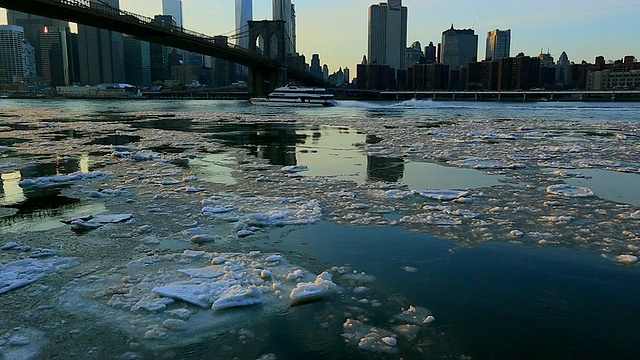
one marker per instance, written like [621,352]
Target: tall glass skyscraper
[498,44]
[388,34]
[244,13]
[173,8]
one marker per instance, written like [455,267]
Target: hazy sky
[337,29]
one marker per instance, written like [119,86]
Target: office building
[11,52]
[285,11]
[33,25]
[173,8]
[100,52]
[137,62]
[315,68]
[498,44]
[415,54]
[562,70]
[387,37]
[244,14]
[459,47]
[430,53]
[54,56]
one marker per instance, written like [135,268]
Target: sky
[337,29]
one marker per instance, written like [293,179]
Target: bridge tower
[268,38]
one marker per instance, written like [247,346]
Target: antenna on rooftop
[474,25]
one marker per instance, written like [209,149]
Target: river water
[515,225]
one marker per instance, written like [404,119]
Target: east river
[417,229]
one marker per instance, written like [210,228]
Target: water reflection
[12,192]
[611,185]
[384,169]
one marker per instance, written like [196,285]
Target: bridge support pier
[268,38]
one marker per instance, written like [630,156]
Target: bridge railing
[107,10]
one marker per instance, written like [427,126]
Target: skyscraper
[137,61]
[498,44]
[54,56]
[11,49]
[173,8]
[32,25]
[244,14]
[315,68]
[101,53]
[430,53]
[388,34]
[459,47]
[284,10]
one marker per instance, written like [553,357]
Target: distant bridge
[265,72]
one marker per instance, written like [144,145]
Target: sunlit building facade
[387,40]
[173,8]
[284,10]
[498,44]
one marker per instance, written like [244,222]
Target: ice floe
[27,271]
[569,191]
[174,286]
[60,180]
[443,195]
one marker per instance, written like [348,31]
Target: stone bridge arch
[263,81]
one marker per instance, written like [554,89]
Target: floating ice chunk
[218,260]
[569,191]
[58,181]
[24,272]
[516,233]
[295,275]
[635,215]
[627,259]
[112,219]
[368,338]
[198,295]
[306,292]
[294,169]
[391,341]
[203,239]
[10,245]
[415,315]
[443,195]
[483,163]
[431,219]
[557,219]
[244,233]
[273,258]
[237,296]
[468,214]
[216,209]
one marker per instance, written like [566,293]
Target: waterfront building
[547,78]
[285,11]
[173,8]
[430,53]
[325,72]
[33,25]
[387,35]
[518,73]
[374,76]
[137,61]
[11,52]
[459,47]
[54,56]
[498,44]
[347,75]
[160,54]
[244,14]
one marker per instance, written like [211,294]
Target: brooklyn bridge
[268,66]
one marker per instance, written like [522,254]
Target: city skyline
[583,29]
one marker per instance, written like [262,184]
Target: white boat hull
[292,102]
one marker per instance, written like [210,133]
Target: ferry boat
[292,95]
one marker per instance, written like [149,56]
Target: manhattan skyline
[337,30]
